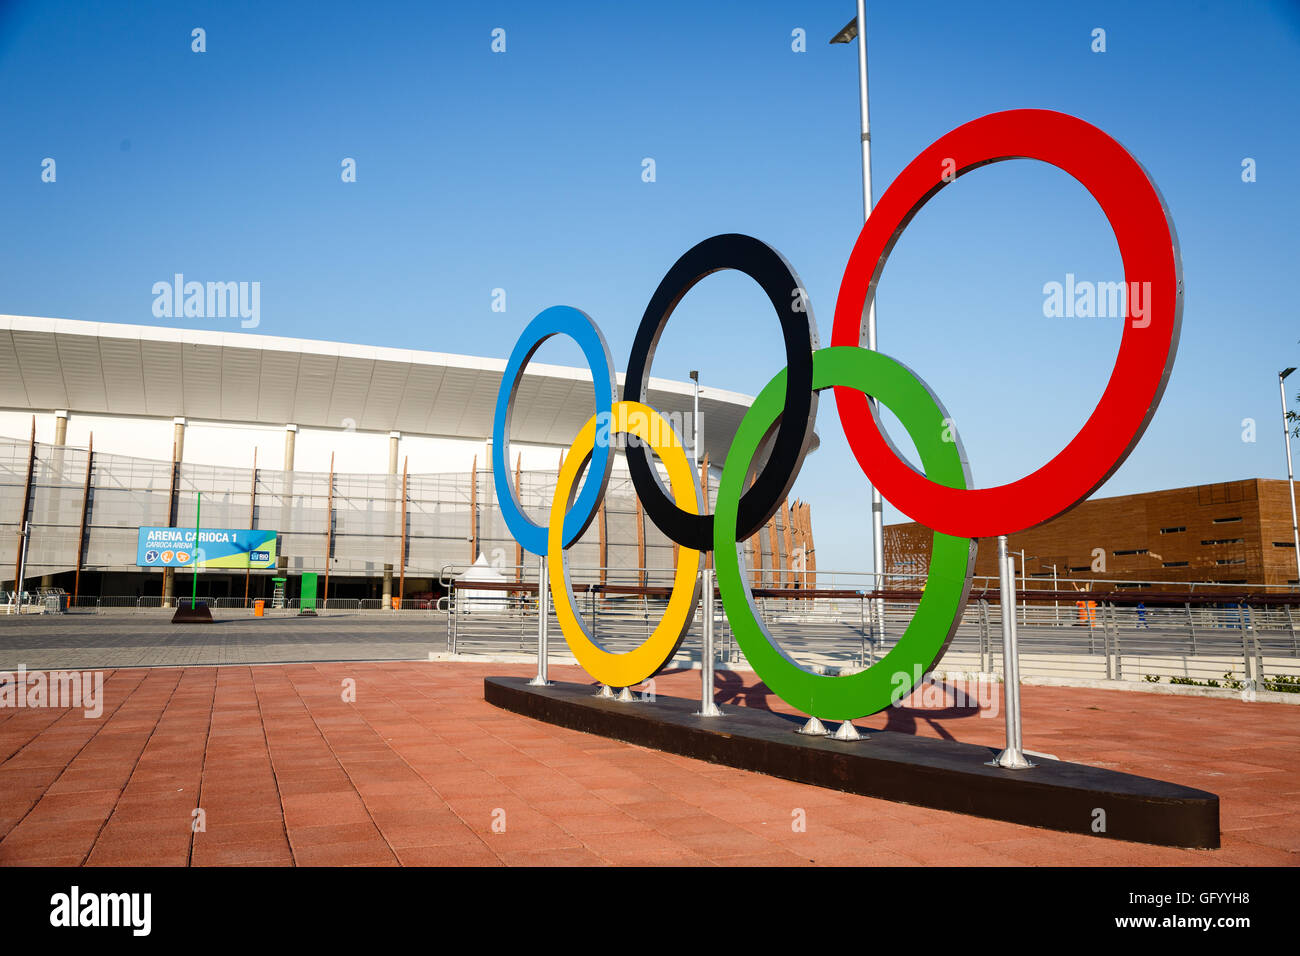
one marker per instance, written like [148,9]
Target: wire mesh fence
[346,524]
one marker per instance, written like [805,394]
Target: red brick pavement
[417,770]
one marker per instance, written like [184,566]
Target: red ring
[1149,249]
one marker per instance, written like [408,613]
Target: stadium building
[372,465]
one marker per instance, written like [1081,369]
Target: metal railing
[120,603]
[1223,637]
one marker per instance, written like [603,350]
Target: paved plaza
[149,639]
[388,763]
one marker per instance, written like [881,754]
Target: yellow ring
[632,667]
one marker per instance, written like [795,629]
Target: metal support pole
[198,515]
[858,29]
[1290,475]
[1012,758]
[1245,653]
[329,534]
[1254,646]
[695,422]
[1250,638]
[986,652]
[1056,603]
[1105,643]
[543,594]
[22,518]
[708,706]
[252,519]
[85,509]
[26,533]
[1024,586]
[1119,652]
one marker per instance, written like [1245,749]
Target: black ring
[794,434]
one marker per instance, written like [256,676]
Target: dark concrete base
[941,774]
[185,614]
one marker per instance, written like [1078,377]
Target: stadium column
[53,504]
[178,455]
[393,439]
[290,434]
[401,580]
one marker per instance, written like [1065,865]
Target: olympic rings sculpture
[940,498]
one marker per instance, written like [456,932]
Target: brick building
[1236,532]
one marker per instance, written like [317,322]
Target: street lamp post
[1290,475]
[695,421]
[857,27]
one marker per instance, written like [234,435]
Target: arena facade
[107,428]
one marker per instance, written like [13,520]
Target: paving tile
[457,854]
[413,772]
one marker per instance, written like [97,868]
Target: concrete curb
[1177,690]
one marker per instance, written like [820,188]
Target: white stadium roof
[138,370]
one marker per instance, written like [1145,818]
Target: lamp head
[849,32]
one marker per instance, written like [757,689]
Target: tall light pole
[695,421]
[857,27]
[1290,475]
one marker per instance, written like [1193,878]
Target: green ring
[952,561]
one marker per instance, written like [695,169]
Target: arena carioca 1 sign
[227,548]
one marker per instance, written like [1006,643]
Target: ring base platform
[927,772]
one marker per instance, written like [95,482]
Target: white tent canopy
[484,599]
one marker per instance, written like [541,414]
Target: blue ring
[577,325]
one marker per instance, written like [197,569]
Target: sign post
[198,513]
[194,614]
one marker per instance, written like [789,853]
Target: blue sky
[522,170]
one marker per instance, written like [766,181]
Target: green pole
[194,592]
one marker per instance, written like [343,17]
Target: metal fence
[1224,638]
[348,522]
[108,604]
